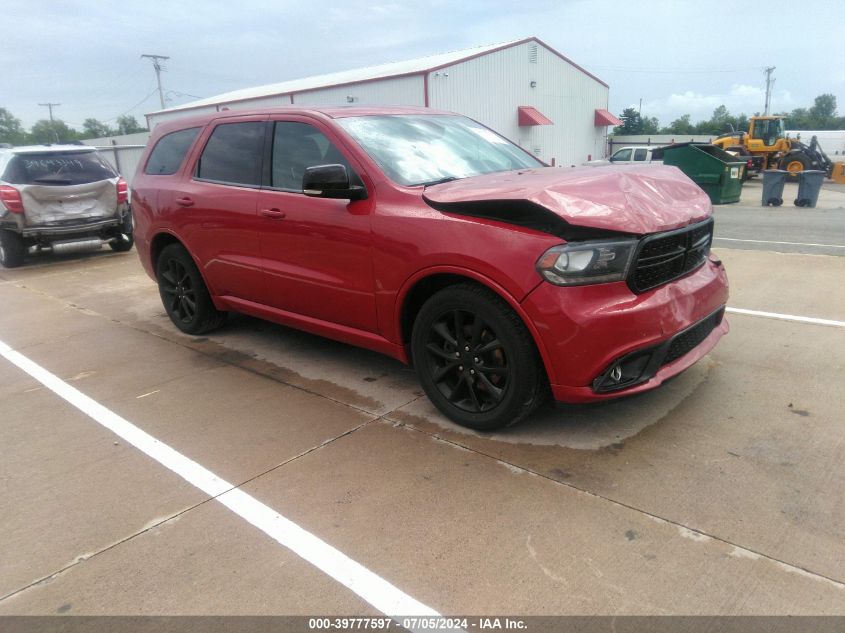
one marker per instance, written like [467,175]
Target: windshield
[424,148]
[57,168]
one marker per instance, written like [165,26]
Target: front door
[316,252]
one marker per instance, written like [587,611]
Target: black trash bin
[809,184]
[773,182]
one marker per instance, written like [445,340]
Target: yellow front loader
[766,137]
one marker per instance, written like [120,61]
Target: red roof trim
[531,116]
[603,118]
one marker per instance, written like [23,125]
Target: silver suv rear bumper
[70,229]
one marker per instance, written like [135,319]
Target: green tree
[11,130]
[92,128]
[720,122]
[127,124]
[680,126]
[56,131]
[650,125]
[634,123]
[823,111]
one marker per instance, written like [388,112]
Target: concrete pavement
[720,493]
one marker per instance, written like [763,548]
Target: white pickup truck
[632,155]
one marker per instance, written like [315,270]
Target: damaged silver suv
[60,199]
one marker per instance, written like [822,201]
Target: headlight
[580,263]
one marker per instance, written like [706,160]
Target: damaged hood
[631,199]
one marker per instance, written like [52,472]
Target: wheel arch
[425,283]
[159,242]
[162,240]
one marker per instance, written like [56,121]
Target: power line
[152,92]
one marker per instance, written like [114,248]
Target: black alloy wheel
[467,361]
[475,359]
[184,294]
[178,287]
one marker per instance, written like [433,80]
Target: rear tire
[12,249]
[475,359]
[184,294]
[121,245]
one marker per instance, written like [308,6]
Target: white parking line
[787,317]
[733,239]
[372,588]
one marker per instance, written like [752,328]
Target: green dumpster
[718,173]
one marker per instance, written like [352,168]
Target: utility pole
[50,106]
[157,59]
[769,83]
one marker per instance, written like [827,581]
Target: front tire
[12,249]
[184,294]
[794,164]
[475,359]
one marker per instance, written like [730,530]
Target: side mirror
[330,181]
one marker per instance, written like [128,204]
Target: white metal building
[523,89]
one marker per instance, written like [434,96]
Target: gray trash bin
[809,185]
[773,182]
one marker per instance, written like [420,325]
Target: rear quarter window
[57,168]
[170,151]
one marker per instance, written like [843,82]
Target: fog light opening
[625,372]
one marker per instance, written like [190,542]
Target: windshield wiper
[439,181]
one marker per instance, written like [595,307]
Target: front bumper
[585,330]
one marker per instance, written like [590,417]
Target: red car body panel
[345,269]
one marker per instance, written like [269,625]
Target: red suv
[428,237]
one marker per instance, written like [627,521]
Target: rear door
[213,208]
[317,252]
[640,155]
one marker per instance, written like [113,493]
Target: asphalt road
[786,229]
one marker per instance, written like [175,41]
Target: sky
[679,57]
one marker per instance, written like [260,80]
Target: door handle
[185,201]
[273,214]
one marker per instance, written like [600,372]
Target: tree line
[821,115]
[57,131]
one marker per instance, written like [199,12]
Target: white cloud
[740,99]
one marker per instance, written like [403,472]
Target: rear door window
[233,153]
[58,168]
[170,151]
[640,154]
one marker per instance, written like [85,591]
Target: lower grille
[641,365]
[691,338]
